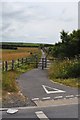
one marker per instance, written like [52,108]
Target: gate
[43,63]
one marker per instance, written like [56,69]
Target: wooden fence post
[3,65]
[45,62]
[18,62]
[6,65]
[36,62]
[42,63]
[22,61]
[26,60]
[12,64]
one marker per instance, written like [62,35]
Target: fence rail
[11,65]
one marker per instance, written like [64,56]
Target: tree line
[13,45]
[68,47]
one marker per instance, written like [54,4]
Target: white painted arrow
[53,90]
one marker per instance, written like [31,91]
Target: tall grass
[9,83]
[66,71]
[21,52]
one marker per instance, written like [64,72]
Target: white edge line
[58,97]
[77,95]
[35,99]
[34,107]
[69,96]
[46,98]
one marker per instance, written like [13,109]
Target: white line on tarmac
[53,90]
[35,107]
[69,96]
[35,99]
[58,97]
[41,115]
[46,98]
[77,95]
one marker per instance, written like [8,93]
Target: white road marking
[41,115]
[12,111]
[77,95]
[35,99]
[46,98]
[58,97]
[69,96]
[53,90]
[35,107]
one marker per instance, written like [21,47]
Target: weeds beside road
[66,72]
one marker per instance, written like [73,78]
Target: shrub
[65,69]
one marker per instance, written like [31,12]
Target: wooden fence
[11,65]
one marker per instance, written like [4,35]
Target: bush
[65,69]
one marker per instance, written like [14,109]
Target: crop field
[21,52]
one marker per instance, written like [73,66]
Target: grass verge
[11,93]
[9,78]
[72,82]
[66,72]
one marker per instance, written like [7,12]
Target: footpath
[36,86]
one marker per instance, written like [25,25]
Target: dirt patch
[14,100]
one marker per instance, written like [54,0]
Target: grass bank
[9,83]
[11,92]
[66,72]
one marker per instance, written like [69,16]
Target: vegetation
[9,78]
[65,69]
[9,83]
[19,53]
[66,65]
[13,45]
[68,47]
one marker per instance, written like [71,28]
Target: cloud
[37,22]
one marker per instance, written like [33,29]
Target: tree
[64,36]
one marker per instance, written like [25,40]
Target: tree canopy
[69,45]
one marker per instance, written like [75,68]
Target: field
[21,52]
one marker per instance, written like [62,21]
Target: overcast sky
[37,21]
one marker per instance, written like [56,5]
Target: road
[36,85]
[67,111]
[52,100]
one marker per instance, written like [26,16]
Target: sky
[37,22]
